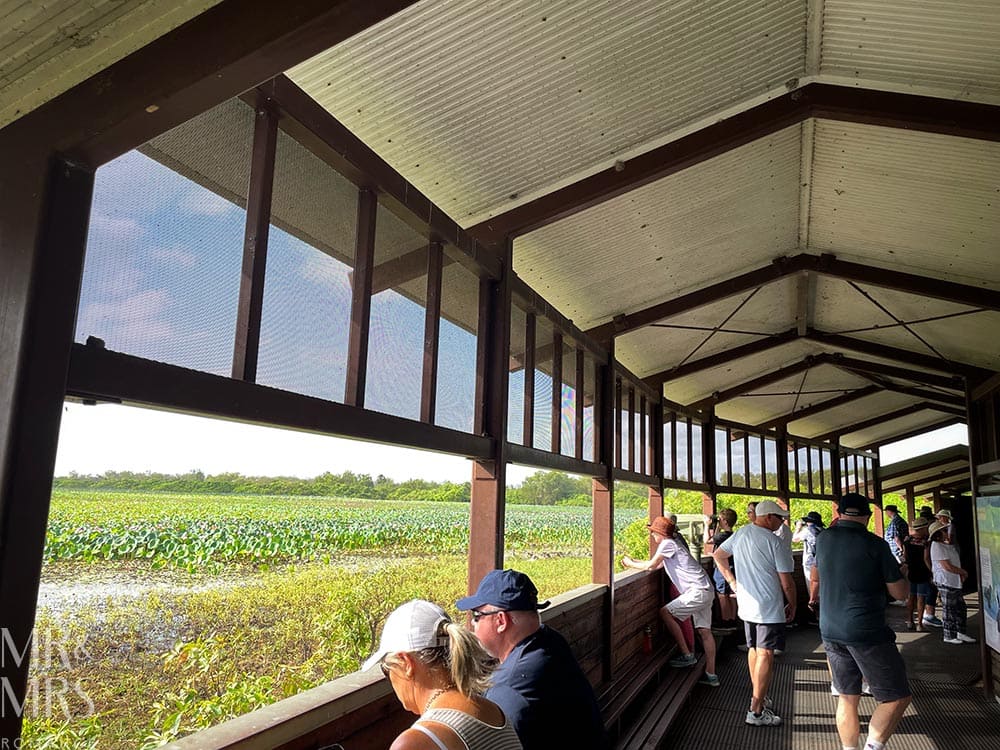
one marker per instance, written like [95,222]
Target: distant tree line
[541,488]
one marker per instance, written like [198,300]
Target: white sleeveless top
[476,734]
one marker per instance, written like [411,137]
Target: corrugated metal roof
[730,214]
[888,430]
[795,392]
[899,199]
[48,47]
[949,48]
[562,88]
[851,413]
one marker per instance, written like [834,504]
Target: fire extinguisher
[647,640]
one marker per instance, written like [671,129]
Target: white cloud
[176,255]
[201,202]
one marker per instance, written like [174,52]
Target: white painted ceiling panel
[855,411]
[703,384]
[947,47]
[563,88]
[728,215]
[898,199]
[651,350]
[795,392]
[885,432]
[970,339]
[48,47]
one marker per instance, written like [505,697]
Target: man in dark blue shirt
[539,685]
[854,571]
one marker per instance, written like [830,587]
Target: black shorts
[879,664]
[770,635]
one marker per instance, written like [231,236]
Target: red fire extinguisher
[647,640]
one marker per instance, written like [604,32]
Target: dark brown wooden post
[43,225]
[655,495]
[602,493]
[432,333]
[972,416]
[528,422]
[581,362]
[255,237]
[489,478]
[361,299]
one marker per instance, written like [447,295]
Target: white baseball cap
[413,626]
[769,507]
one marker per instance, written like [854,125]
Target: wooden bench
[660,710]
[645,697]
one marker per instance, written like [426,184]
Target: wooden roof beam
[813,409]
[890,416]
[895,438]
[729,355]
[847,104]
[766,379]
[904,356]
[954,383]
[826,264]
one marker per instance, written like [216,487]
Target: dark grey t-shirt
[854,567]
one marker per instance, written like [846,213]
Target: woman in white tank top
[439,670]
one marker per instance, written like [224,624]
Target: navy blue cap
[504,589]
[853,505]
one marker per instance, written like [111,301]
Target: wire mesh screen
[737,448]
[756,469]
[307,286]
[515,384]
[697,463]
[589,400]
[543,385]
[459,336]
[669,449]
[164,252]
[396,334]
[721,458]
[567,409]
[770,464]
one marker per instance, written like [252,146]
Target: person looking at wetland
[539,685]
[694,600]
[439,671]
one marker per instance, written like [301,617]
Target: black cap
[853,505]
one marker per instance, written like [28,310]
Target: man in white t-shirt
[764,583]
[694,600]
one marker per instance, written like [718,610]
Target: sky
[95,439]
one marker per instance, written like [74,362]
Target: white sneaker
[766,718]
[965,638]
[954,640]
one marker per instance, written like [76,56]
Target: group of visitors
[511,682]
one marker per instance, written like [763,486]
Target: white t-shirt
[683,569]
[785,535]
[759,556]
[942,577]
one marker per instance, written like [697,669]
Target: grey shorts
[769,635]
[880,665]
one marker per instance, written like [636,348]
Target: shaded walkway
[949,711]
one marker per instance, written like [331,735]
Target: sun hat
[813,517]
[853,505]
[510,590]
[662,525]
[893,508]
[936,527]
[770,508]
[920,523]
[413,626]
[943,512]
